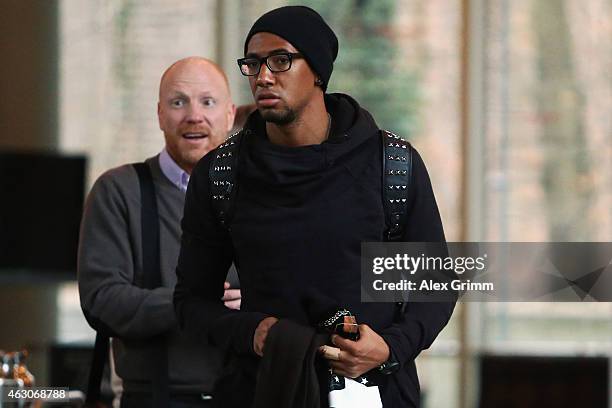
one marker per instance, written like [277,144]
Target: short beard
[279,117]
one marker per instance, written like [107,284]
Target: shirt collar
[172,171]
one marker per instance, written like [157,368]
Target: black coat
[300,217]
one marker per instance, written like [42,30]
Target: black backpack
[396,171]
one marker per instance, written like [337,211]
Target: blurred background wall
[508,101]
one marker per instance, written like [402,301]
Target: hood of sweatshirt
[292,172]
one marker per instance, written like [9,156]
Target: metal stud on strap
[397,165]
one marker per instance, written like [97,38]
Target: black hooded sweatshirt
[301,214]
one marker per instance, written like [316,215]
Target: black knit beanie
[306,30]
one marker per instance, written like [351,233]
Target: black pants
[142,400]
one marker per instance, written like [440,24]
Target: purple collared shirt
[176,175]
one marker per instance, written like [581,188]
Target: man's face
[195,110]
[280,96]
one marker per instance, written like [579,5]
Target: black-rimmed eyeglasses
[281,62]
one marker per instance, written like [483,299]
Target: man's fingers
[344,344]
[233,304]
[330,353]
[358,357]
[231,294]
[341,362]
[226,285]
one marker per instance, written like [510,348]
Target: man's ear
[159,116]
[242,113]
[231,116]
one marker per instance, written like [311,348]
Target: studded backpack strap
[397,173]
[223,171]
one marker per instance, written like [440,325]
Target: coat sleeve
[206,253]
[106,263]
[421,322]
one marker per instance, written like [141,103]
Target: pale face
[195,110]
[280,96]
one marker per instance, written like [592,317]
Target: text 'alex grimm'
[430,285]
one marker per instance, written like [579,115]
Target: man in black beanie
[290,199]
[307,32]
